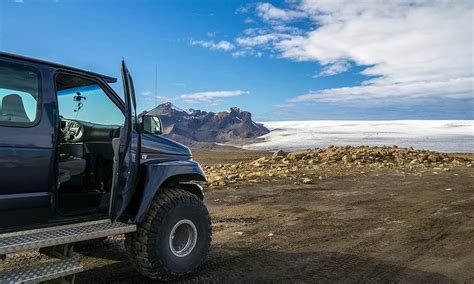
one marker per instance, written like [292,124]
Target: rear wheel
[175,237]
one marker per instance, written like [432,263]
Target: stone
[279,155]
[214,178]
[233,176]
[433,158]
[347,159]
[259,161]
[338,160]
[295,155]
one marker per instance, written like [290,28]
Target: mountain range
[192,125]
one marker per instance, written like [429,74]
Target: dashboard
[75,131]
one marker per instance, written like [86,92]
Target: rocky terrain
[333,215]
[308,166]
[384,215]
[196,126]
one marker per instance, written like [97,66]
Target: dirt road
[377,226]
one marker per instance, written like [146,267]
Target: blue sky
[281,60]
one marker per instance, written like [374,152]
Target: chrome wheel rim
[183,238]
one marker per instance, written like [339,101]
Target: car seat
[69,167]
[13,109]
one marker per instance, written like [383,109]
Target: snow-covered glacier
[438,135]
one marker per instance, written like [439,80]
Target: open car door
[127,157]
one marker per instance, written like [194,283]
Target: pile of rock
[387,156]
[308,165]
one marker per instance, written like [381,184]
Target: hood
[164,149]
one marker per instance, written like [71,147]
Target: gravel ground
[364,225]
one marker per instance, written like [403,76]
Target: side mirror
[151,124]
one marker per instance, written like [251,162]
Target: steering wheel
[71,130]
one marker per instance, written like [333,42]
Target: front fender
[155,175]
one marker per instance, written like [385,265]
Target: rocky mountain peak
[166,108]
[195,125]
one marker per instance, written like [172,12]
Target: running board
[59,235]
[42,272]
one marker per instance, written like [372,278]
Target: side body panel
[27,161]
[155,175]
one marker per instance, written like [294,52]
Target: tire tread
[139,244]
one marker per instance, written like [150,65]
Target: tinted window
[19,93]
[85,100]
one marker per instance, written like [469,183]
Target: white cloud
[220,45]
[415,50]
[163,99]
[19,1]
[212,98]
[247,52]
[148,97]
[334,69]
[388,93]
[269,12]
[245,8]
[262,39]
[249,20]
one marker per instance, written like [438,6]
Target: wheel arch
[185,182]
[156,177]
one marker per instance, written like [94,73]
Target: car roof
[108,79]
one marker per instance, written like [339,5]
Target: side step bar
[59,235]
[42,272]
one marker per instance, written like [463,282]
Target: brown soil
[360,225]
[375,226]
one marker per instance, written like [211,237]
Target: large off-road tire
[174,239]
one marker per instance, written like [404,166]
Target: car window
[19,93]
[85,100]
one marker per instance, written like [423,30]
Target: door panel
[128,163]
[24,209]
[27,154]
[25,170]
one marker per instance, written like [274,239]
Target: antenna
[156,84]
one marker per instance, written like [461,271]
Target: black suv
[72,152]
